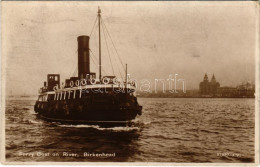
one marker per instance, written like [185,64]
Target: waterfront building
[209,88]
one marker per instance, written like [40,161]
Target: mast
[99,16]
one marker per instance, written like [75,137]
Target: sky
[155,39]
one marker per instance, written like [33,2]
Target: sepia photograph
[130,83]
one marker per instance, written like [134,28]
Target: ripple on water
[170,130]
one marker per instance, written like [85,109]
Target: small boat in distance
[86,99]
[24,95]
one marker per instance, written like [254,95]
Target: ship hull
[83,112]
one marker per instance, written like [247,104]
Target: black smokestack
[83,56]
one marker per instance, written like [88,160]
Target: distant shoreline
[202,97]
[34,98]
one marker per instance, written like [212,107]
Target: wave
[119,128]
[209,131]
[78,126]
[139,121]
[34,122]
[147,122]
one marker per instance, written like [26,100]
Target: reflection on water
[170,130]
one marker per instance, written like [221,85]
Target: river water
[169,130]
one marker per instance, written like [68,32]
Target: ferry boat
[86,99]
